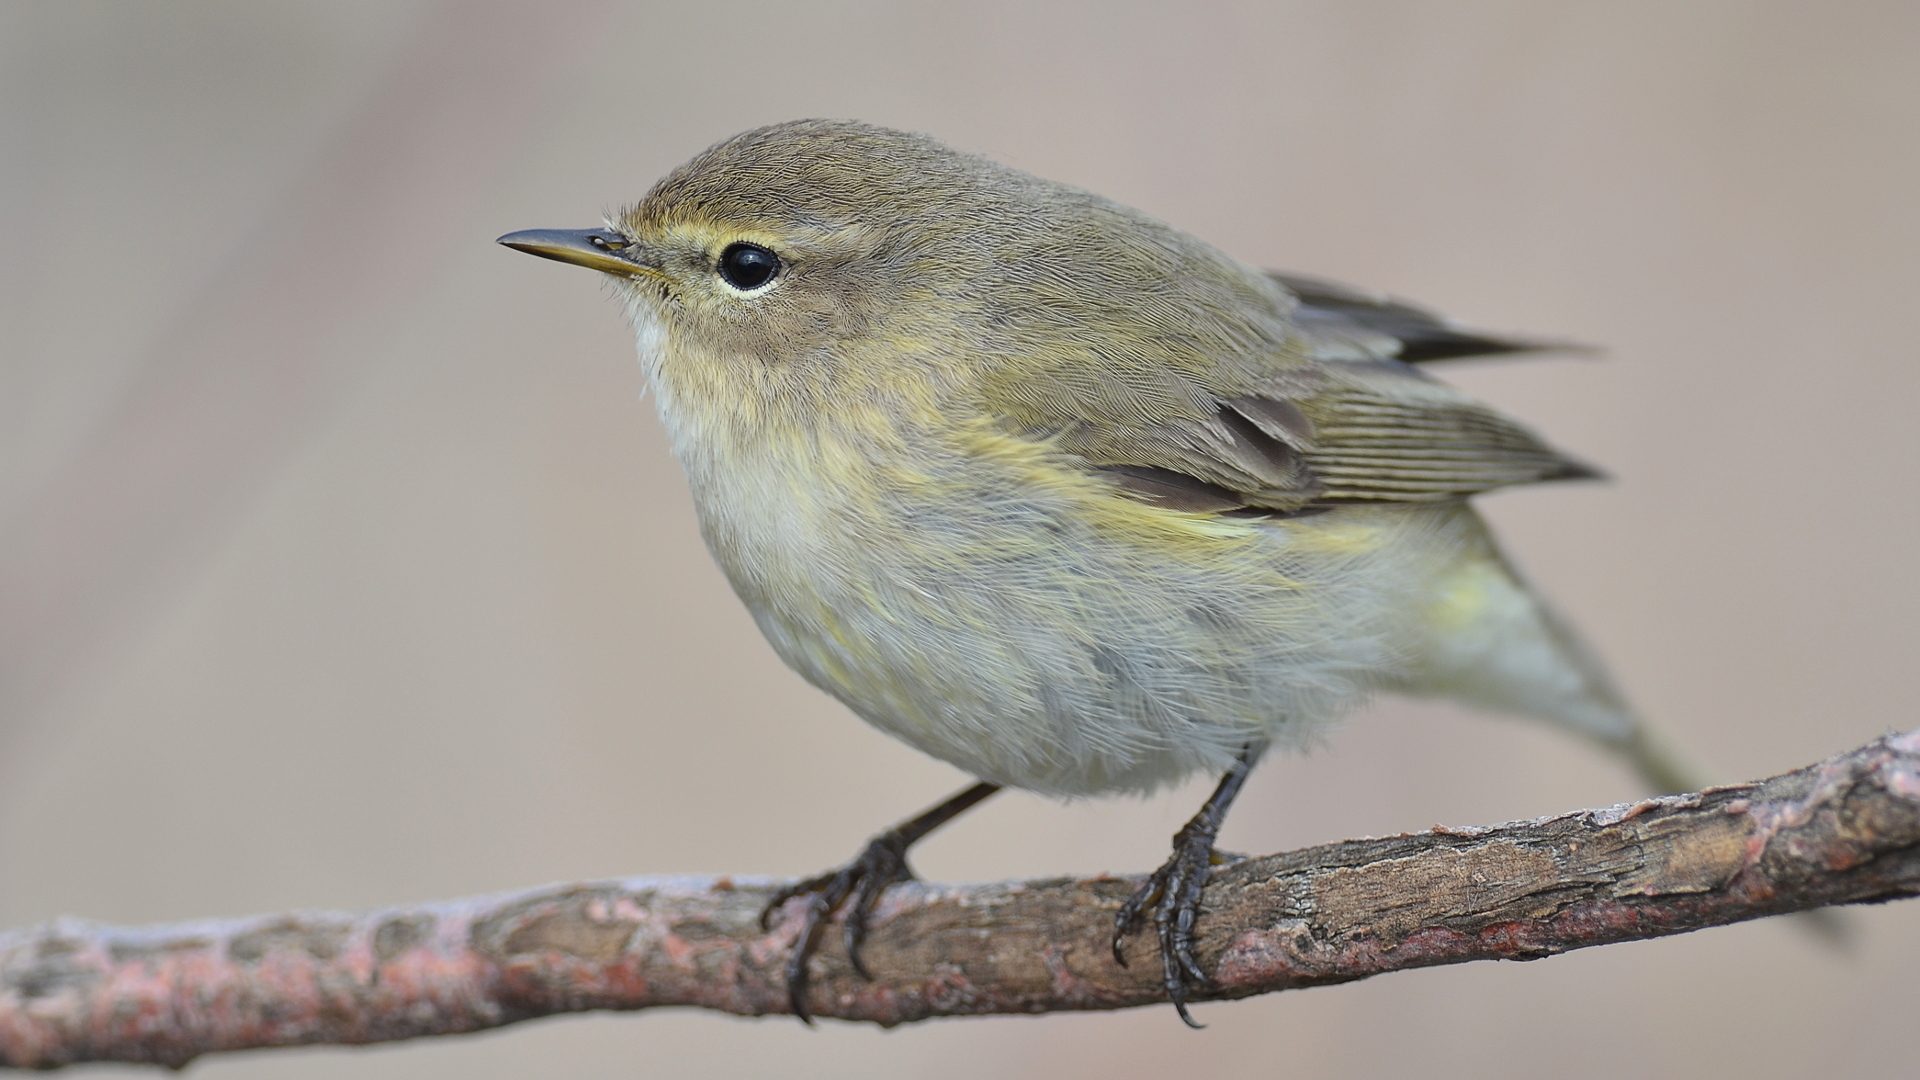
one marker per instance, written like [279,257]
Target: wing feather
[1336,413]
[1412,334]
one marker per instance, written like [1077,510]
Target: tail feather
[1488,640]
[1485,639]
[1655,761]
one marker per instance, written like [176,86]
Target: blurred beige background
[341,563]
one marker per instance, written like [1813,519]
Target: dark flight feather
[1423,336]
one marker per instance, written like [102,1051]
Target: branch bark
[1846,830]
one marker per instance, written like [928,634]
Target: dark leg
[1173,892]
[882,863]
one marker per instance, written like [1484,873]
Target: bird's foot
[1172,894]
[856,887]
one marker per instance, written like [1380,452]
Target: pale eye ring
[747,267]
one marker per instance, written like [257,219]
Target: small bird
[1064,496]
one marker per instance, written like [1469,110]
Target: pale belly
[1034,645]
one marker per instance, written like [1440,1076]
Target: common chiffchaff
[1064,496]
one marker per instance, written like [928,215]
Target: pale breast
[1053,635]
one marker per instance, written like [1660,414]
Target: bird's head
[823,256]
[786,244]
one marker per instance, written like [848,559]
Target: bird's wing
[1408,333]
[1338,416]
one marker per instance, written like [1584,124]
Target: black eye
[747,266]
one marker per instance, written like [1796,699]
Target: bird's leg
[883,862]
[1173,892]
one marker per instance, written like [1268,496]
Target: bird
[1069,498]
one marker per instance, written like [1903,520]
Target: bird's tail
[1481,636]
[1662,768]
[1488,640]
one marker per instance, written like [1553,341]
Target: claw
[1173,894]
[865,879]
[872,887]
[1128,918]
[796,973]
[787,892]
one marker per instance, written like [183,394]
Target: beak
[597,249]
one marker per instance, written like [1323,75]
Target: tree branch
[1843,831]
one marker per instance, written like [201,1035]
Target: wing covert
[1337,414]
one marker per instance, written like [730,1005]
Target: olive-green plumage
[1057,492]
[1066,497]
